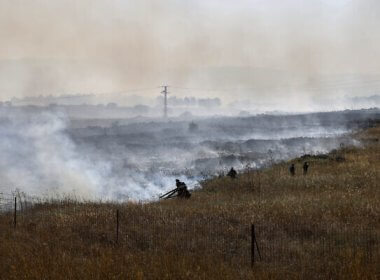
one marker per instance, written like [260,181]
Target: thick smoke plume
[38,157]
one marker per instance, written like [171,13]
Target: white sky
[272,47]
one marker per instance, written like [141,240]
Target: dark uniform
[232,173]
[305,167]
[178,183]
[292,170]
[182,191]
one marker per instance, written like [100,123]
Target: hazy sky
[271,47]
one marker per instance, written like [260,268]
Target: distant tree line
[192,101]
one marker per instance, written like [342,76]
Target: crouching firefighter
[180,191]
[232,173]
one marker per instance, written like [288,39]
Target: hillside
[325,224]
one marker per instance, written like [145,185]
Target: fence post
[117,226]
[252,245]
[15,214]
[257,247]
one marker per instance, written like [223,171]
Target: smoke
[293,52]
[38,157]
[45,154]
[272,48]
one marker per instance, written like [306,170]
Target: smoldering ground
[43,154]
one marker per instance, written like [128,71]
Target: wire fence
[6,201]
[139,229]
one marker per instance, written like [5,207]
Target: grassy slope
[73,240]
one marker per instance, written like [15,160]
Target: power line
[130,90]
[343,85]
[349,83]
[201,89]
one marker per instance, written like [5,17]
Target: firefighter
[305,167]
[232,173]
[182,191]
[292,169]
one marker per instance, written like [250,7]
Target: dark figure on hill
[232,173]
[182,191]
[178,183]
[305,167]
[292,170]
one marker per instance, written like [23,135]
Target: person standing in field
[292,169]
[305,167]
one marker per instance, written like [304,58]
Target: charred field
[323,225]
[47,152]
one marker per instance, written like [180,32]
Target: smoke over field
[40,157]
[45,153]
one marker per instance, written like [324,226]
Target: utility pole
[165,93]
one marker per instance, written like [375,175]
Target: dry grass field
[325,225]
